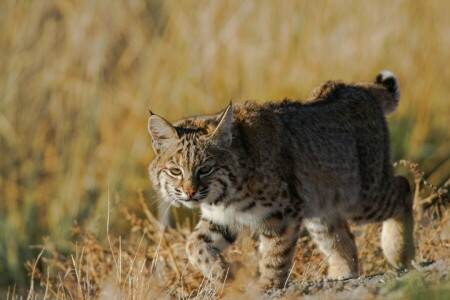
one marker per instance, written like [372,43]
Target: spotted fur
[270,167]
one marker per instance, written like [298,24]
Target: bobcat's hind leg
[397,239]
[334,239]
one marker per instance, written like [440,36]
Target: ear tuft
[222,135]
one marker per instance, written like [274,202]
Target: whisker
[167,209]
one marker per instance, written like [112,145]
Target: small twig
[440,194]
[289,275]
[169,251]
[133,260]
[419,175]
[30,293]
[109,238]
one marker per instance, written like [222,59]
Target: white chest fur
[233,216]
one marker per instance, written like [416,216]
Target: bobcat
[271,167]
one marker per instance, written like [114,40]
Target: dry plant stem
[419,175]
[47,283]
[31,291]
[289,275]
[438,196]
[120,259]
[134,259]
[225,280]
[171,256]
[109,239]
[77,275]
[156,254]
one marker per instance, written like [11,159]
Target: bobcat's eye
[175,171]
[204,170]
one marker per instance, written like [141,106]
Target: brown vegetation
[77,79]
[153,263]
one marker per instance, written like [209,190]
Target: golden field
[77,79]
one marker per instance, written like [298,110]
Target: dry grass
[152,263]
[77,79]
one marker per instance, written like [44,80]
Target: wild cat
[271,167]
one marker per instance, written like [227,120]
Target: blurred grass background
[77,79]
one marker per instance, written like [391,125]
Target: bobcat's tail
[390,100]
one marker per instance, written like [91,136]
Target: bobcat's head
[193,162]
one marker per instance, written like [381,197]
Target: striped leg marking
[205,245]
[277,248]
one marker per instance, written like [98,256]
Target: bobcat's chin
[190,203]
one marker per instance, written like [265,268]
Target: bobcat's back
[338,144]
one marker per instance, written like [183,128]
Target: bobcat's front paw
[211,265]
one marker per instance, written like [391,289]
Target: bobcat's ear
[162,132]
[222,135]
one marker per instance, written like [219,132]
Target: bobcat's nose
[190,191]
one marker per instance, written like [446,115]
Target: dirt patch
[393,284]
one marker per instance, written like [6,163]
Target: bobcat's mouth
[179,198]
[194,201]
